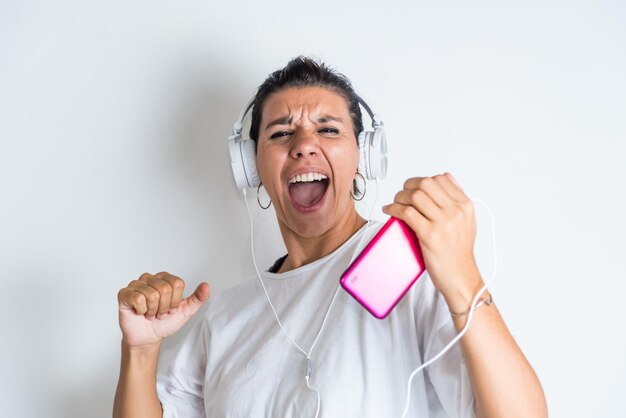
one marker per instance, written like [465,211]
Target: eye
[280,134]
[334,131]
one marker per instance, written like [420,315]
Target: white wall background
[113,161]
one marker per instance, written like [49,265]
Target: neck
[304,250]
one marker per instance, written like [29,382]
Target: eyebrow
[287,120]
[279,121]
[324,119]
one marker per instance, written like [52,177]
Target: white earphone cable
[309,366]
[469,318]
[295,344]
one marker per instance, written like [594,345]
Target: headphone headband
[372,150]
[239,122]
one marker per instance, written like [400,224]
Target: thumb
[193,303]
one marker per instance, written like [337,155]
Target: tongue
[307,194]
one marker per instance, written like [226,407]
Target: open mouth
[307,190]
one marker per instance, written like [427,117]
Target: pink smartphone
[386,268]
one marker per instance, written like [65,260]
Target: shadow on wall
[199,158]
[207,101]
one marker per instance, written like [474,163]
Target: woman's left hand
[443,219]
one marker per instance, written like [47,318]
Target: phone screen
[386,268]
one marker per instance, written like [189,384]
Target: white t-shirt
[237,362]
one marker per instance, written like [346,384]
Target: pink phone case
[386,268]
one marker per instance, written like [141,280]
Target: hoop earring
[259,200]
[355,190]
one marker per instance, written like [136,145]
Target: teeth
[307,177]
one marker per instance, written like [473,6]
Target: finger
[130,299]
[411,216]
[453,180]
[145,277]
[448,183]
[192,304]
[151,295]
[178,286]
[463,205]
[432,189]
[165,290]
[421,201]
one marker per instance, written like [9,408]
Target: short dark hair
[306,72]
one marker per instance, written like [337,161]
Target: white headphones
[372,151]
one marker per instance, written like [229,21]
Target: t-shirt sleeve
[180,386]
[448,375]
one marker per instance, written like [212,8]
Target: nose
[305,144]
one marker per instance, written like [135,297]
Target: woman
[237,361]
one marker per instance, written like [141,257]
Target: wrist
[460,297]
[141,352]
[136,394]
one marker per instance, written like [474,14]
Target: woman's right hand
[151,308]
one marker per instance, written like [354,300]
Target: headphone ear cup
[373,154]
[243,162]
[248,151]
[363,157]
[378,154]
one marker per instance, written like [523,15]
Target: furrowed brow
[279,121]
[324,119]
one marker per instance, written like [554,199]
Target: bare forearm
[136,395]
[503,381]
